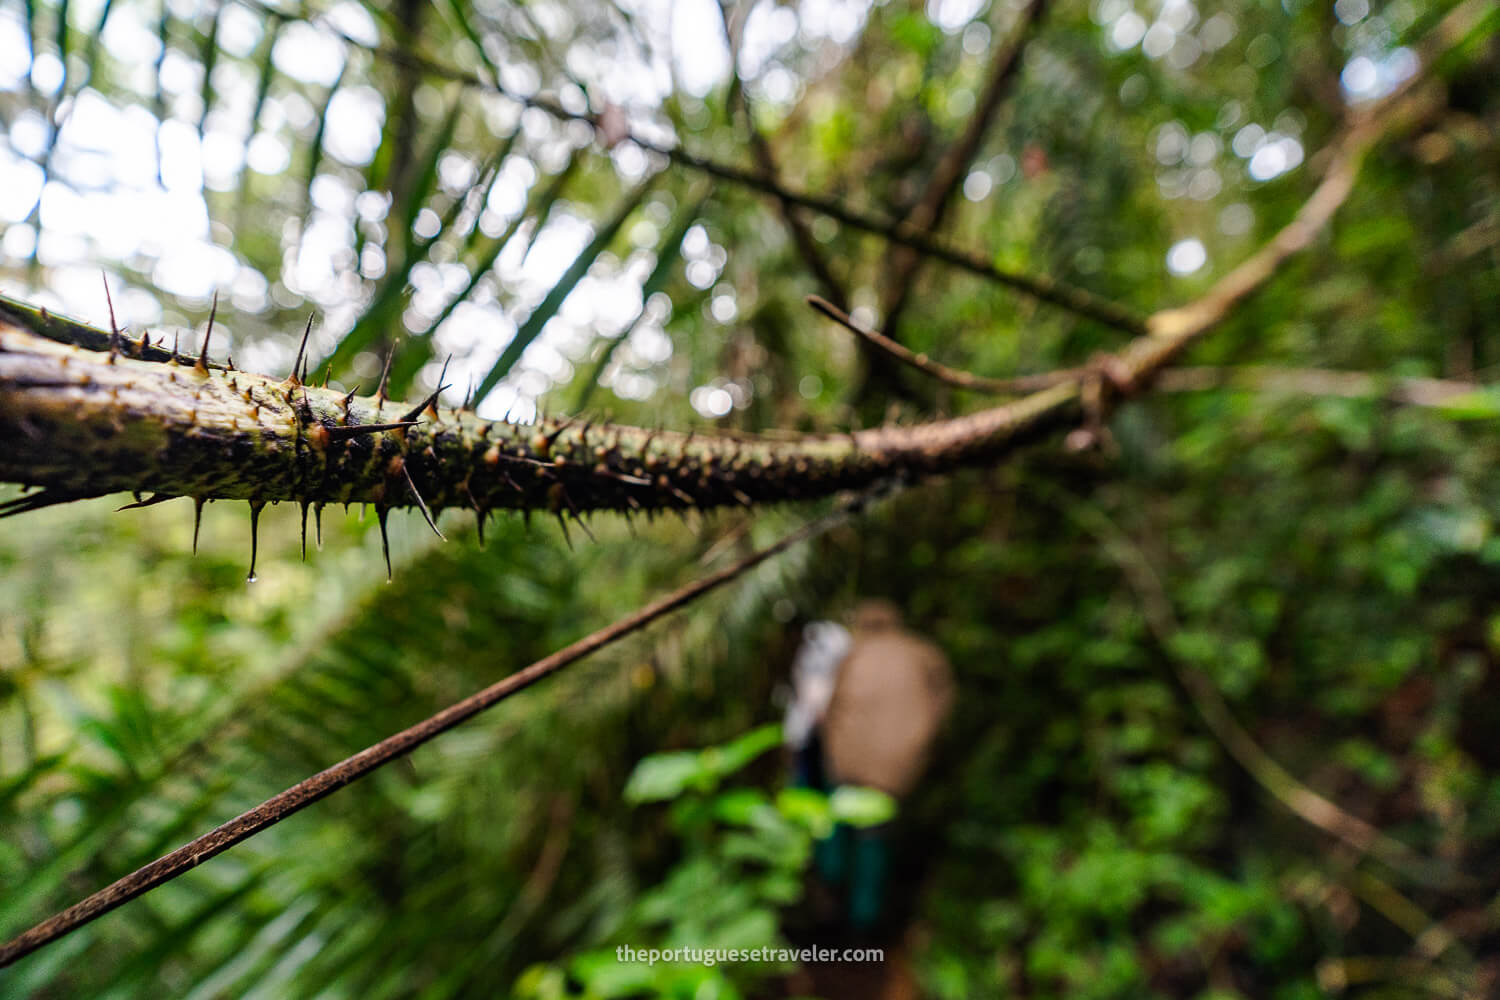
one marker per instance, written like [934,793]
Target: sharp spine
[155,499]
[421,504]
[385,541]
[301,352]
[255,509]
[201,365]
[346,431]
[114,329]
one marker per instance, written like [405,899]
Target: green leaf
[861,807]
[550,198]
[458,10]
[915,32]
[757,928]
[665,776]
[1481,404]
[418,350]
[548,307]
[384,312]
[262,91]
[604,975]
[13,787]
[426,180]
[63,50]
[740,805]
[315,148]
[91,45]
[541,982]
[164,37]
[668,255]
[208,56]
[807,809]
[732,756]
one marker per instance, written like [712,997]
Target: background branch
[1409,390]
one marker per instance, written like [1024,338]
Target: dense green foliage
[1331,565]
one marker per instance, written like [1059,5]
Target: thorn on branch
[421,504]
[297,362]
[114,329]
[410,417]
[343,432]
[155,499]
[385,374]
[201,365]
[38,500]
[416,411]
[563,524]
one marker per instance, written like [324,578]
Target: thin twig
[305,793]
[924,364]
[1406,389]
